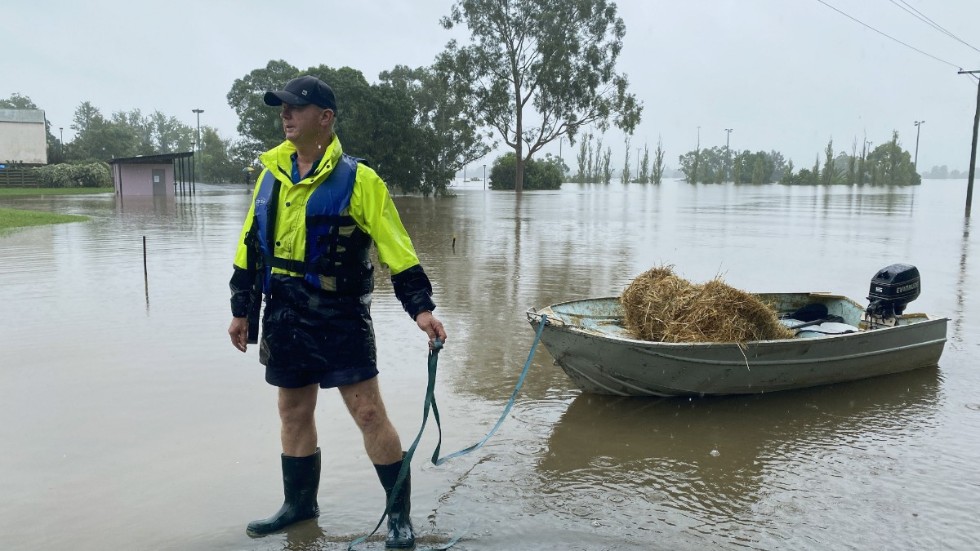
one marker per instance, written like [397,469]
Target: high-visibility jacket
[294,250]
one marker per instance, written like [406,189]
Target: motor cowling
[892,288]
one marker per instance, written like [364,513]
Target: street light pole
[728,135]
[197,140]
[484,177]
[61,142]
[918,128]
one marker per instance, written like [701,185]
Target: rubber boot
[401,535]
[300,481]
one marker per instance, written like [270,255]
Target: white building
[23,137]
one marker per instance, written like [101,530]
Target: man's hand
[238,331]
[432,327]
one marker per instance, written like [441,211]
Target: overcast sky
[783,74]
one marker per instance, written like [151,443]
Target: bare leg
[368,410]
[296,412]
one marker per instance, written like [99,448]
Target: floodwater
[130,422]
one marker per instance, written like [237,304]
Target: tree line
[887,164]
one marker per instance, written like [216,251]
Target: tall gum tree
[553,58]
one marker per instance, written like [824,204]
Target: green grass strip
[20,191]
[15,218]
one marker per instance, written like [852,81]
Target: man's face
[303,122]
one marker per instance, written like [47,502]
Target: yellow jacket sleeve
[374,211]
[241,252]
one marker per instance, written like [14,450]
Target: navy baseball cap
[303,90]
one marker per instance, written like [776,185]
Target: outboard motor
[892,288]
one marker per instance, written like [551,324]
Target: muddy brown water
[129,421]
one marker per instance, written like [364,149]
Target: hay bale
[660,306]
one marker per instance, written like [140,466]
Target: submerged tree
[644,176]
[541,173]
[550,58]
[658,163]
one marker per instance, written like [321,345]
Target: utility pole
[973,151]
[61,142]
[728,154]
[918,128]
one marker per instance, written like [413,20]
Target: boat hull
[603,363]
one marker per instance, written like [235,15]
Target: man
[306,239]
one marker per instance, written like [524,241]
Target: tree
[892,165]
[598,171]
[828,167]
[260,125]
[605,166]
[553,58]
[658,162]
[689,165]
[216,165]
[583,158]
[862,162]
[17,101]
[787,177]
[778,164]
[451,140]
[99,139]
[169,135]
[644,176]
[541,174]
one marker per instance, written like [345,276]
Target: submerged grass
[20,191]
[15,218]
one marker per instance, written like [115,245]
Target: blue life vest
[337,250]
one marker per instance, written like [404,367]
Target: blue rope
[430,403]
[436,460]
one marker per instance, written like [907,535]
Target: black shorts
[311,336]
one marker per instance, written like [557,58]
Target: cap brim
[281,96]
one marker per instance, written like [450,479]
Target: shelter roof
[152,159]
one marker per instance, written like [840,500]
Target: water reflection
[961,282]
[149,205]
[710,457]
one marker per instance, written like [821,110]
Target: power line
[923,17]
[888,36]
